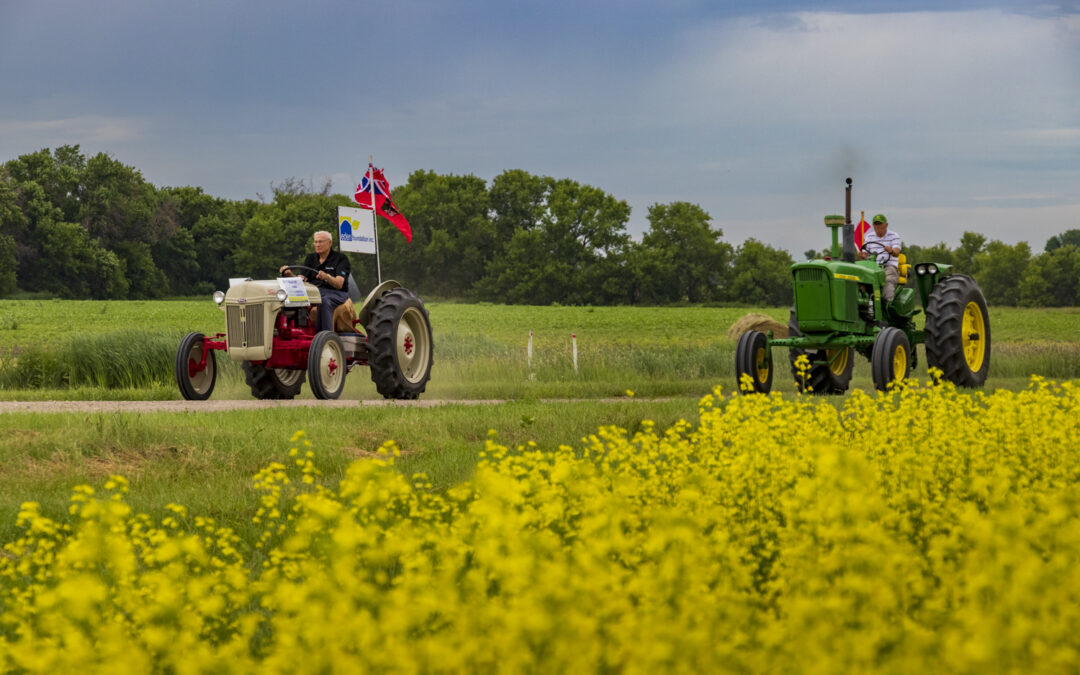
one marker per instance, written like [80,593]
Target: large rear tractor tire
[753,358]
[830,369]
[400,346]
[195,385]
[326,365]
[273,383]
[958,331]
[890,359]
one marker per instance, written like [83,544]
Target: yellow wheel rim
[762,366]
[899,362]
[973,337]
[837,359]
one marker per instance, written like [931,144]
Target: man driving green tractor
[846,303]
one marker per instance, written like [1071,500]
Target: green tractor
[839,311]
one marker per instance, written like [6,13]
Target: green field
[110,350]
[667,357]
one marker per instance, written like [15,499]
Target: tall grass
[480,350]
[124,360]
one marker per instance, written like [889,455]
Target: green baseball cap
[880,218]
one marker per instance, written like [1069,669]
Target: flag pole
[374,217]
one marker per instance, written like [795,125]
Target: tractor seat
[354,291]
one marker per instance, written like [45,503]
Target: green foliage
[77,266]
[572,253]
[681,257]
[1001,267]
[966,258]
[1053,279]
[760,275]
[521,238]
[1069,237]
[9,265]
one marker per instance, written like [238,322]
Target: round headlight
[920,269]
[219,297]
[931,268]
[282,295]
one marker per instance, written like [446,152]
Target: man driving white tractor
[885,247]
[329,272]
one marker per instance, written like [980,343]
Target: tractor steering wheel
[871,255]
[302,267]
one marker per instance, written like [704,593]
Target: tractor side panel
[845,301]
[904,301]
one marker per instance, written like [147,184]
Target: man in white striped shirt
[885,247]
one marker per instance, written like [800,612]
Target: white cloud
[84,129]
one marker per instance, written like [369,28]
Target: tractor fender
[364,312]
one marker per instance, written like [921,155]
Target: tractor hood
[246,292]
[862,272]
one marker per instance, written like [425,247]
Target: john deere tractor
[838,312]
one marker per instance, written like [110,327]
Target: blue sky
[951,116]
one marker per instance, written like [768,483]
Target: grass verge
[206,460]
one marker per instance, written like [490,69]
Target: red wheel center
[408,344]
[332,366]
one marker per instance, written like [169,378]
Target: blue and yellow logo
[345,229]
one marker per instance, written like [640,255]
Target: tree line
[78,227]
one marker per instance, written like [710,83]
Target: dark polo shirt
[336,265]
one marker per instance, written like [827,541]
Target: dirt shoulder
[212,406]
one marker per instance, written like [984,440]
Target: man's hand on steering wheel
[287,270]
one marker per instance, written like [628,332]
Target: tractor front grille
[245,326]
[810,275]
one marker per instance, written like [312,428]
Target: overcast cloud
[950,116]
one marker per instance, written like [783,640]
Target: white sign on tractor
[356,230]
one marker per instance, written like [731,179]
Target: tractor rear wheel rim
[331,363]
[413,345]
[838,359]
[973,336]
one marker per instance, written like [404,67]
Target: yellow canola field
[925,530]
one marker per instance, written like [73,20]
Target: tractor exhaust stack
[849,229]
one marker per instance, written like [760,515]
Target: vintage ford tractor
[838,312]
[269,328]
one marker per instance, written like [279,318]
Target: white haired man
[331,276]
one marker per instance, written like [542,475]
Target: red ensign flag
[384,205]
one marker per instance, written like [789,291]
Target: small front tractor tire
[890,359]
[273,383]
[830,369]
[326,365]
[958,331]
[400,345]
[195,385]
[753,358]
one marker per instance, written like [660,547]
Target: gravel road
[253,404]
[213,406]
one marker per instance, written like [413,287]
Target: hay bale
[758,322]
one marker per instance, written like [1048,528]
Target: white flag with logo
[356,231]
